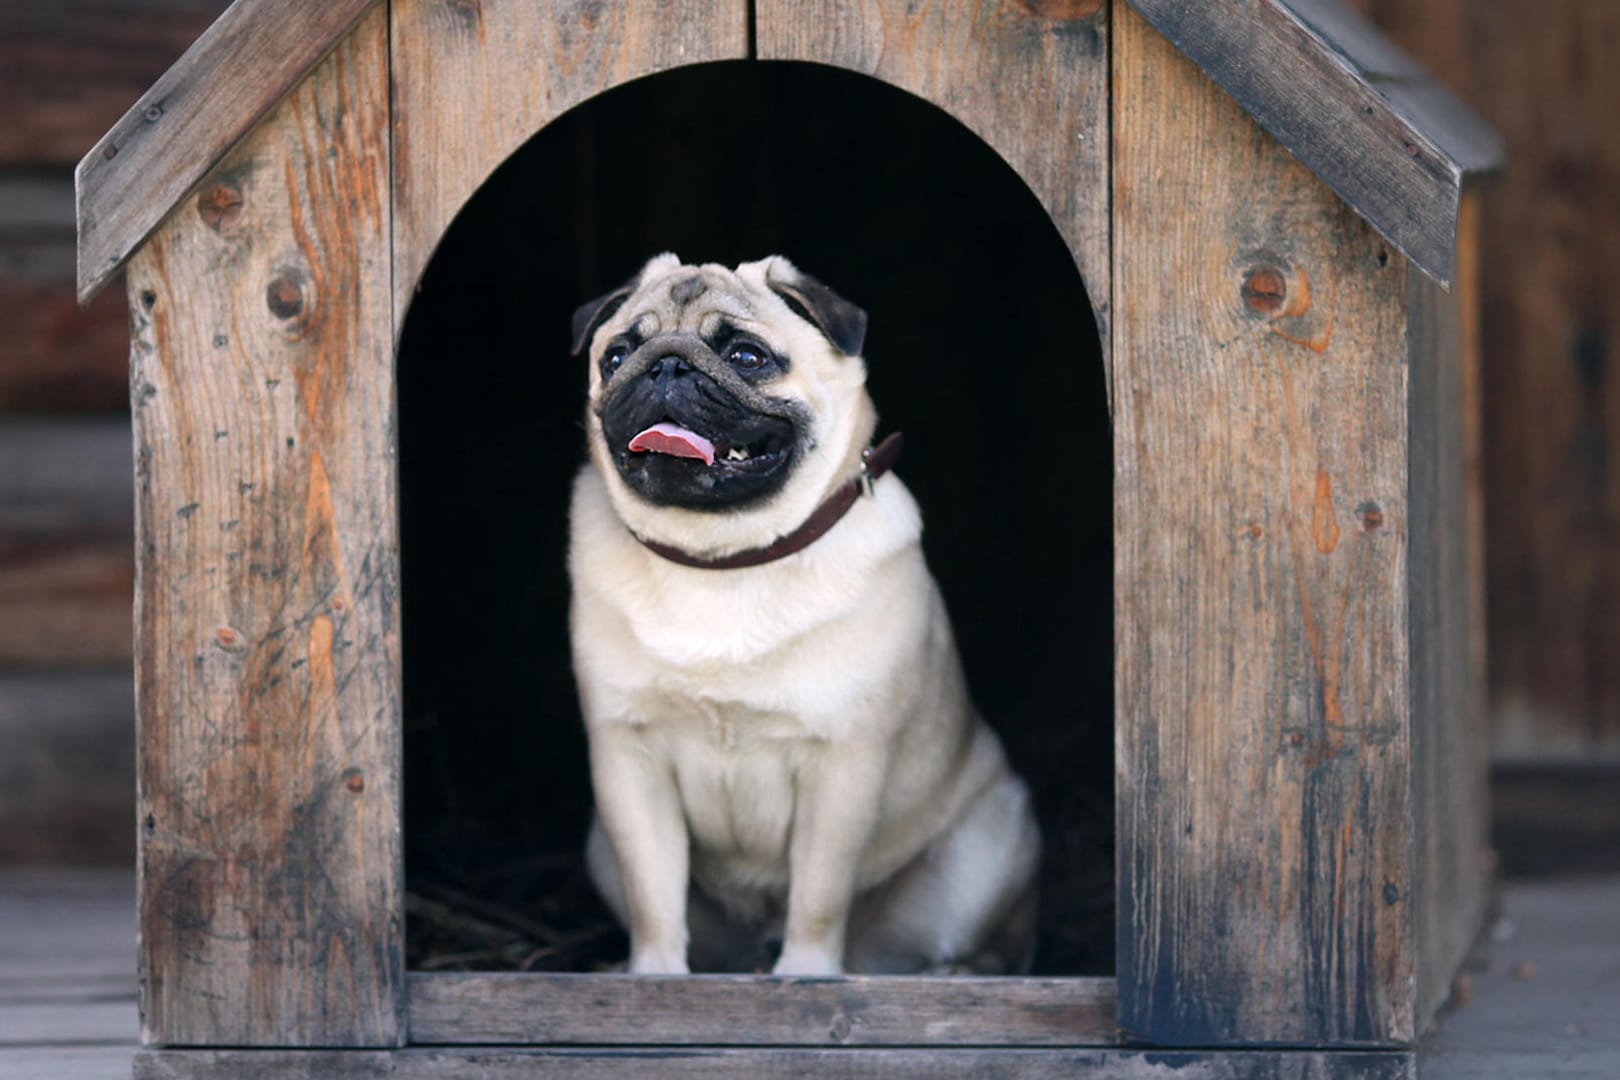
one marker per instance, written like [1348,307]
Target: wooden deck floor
[1544,1004]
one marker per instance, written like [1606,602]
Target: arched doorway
[982,349]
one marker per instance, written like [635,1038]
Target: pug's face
[717,391]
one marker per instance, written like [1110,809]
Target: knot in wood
[1265,289]
[285,296]
[219,205]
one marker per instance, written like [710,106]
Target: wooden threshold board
[490,1008]
[678,1063]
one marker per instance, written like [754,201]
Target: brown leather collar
[875,461]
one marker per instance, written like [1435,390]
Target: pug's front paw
[808,960]
[658,961]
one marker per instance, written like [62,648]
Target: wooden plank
[39,1023]
[1395,146]
[35,202]
[1028,78]
[57,1062]
[762,1064]
[1556,821]
[722,1010]
[55,357]
[52,355]
[65,599]
[516,67]
[70,989]
[67,773]
[267,618]
[65,475]
[60,924]
[67,560]
[1449,746]
[1542,1003]
[182,127]
[73,66]
[1260,582]
[1549,268]
[1471,375]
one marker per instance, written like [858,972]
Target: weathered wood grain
[73,66]
[1347,103]
[1449,736]
[1260,582]
[770,1064]
[191,118]
[719,1010]
[1550,270]
[1030,79]
[514,68]
[67,793]
[267,616]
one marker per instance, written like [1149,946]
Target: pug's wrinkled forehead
[701,300]
[669,297]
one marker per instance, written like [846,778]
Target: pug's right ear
[588,318]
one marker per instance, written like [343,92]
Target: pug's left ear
[588,318]
[842,322]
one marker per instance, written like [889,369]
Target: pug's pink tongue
[673,439]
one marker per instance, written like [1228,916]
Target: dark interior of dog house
[982,349]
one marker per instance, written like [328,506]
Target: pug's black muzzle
[677,378]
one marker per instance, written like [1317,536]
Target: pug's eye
[746,357]
[613,359]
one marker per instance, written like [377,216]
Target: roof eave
[1395,145]
[1356,111]
[191,118]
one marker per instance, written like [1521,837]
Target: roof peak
[1351,106]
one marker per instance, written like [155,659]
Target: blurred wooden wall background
[69,69]
[1546,72]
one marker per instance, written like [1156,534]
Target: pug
[783,751]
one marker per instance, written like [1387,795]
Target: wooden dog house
[1265,202]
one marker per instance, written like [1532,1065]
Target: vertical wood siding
[1449,743]
[1261,531]
[267,622]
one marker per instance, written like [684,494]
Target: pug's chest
[715,716]
[736,767]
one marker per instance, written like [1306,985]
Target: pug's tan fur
[786,748]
